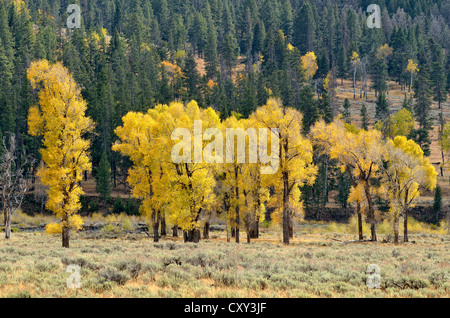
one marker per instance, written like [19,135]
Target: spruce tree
[346,112]
[422,107]
[364,117]
[305,29]
[308,107]
[382,107]
[191,78]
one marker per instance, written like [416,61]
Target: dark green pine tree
[248,98]
[165,91]
[287,20]
[305,29]
[308,107]
[324,107]
[343,187]
[382,107]
[259,36]
[211,55]
[399,61]
[199,33]
[422,108]
[380,76]
[346,115]
[341,63]
[364,117]
[103,179]
[437,204]
[229,49]
[192,78]
[7,119]
[323,65]
[438,75]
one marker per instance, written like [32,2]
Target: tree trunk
[156,220]
[360,225]
[7,225]
[175,231]
[286,212]
[405,225]
[248,236]
[192,236]
[286,215]
[206,231]
[65,237]
[163,226]
[371,211]
[254,230]
[396,225]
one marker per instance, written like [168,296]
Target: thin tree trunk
[163,226]
[7,225]
[65,237]
[206,231]
[360,225]
[396,225]
[156,217]
[175,231]
[405,225]
[371,211]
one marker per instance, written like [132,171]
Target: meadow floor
[132,265]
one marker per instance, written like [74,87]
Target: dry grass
[314,265]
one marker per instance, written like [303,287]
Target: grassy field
[314,265]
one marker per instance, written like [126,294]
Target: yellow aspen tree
[411,69]
[295,157]
[256,194]
[139,141]
[355,62]
[406,171]
[191,174]
[60,119]
[232,169]
[444,143]
[359,152]
[399,124]
[309,64]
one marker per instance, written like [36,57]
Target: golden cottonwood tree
[359,152]
[355,61]
[445,139]
[240,177]
[140,142]
[407,169]
[399,124]
[182,187]
[60,119]
[412,69]
[296,166]
[192,178]
[309,64]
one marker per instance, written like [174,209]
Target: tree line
[134,55]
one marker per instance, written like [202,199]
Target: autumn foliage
[60,119]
